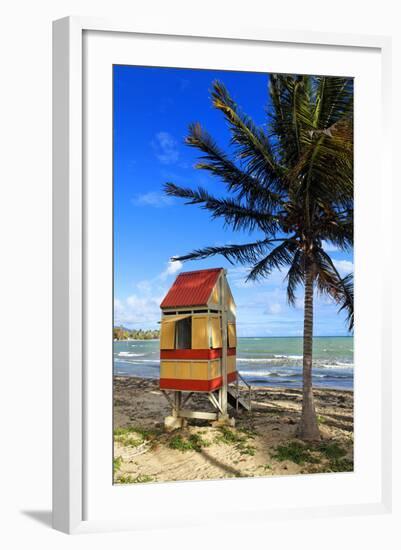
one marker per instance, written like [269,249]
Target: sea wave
[276,361]
[280,359]
[336,365]
[258,374]
[136,361]
[270,373]
[258,360]
[129,354]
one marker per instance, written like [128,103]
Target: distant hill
[122,333]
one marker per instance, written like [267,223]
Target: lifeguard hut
[198,346]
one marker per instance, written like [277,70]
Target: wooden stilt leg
[175,421]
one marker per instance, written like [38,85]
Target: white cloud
[343,266]
[144,286]
[274,308]
[141,311]
[165,147]
[171,269]
[153,198]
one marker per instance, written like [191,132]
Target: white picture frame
[70,425]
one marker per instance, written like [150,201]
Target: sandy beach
[262,443]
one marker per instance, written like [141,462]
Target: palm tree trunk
[308,429]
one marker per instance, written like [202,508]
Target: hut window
[183,333]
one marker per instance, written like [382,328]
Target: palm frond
[334,100]
[234,213]
[347,299]
[247,253]
[217,163]
[279,257]
[330,282]
[295,276]
[252,143]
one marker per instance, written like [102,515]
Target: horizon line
[259,335]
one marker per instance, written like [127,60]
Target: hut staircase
[235,396]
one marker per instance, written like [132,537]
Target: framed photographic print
[217,197]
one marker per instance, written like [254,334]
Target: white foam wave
[129,354]
[336,366]
[275,359]
[258,360]
[255,372]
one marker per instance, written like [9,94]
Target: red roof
[192,288]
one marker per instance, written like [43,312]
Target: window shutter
[216,332]
[232,336]
[200,334]
[167,336]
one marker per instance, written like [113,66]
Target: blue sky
[152,110]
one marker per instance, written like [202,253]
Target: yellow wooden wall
[185,370]
[195,370]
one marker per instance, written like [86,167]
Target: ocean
[261,361]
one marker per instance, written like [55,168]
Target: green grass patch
[148,433]
[229,437]
[341,465]
[145,433]
[301,453]
[248,432]
[332,450]
[192,443]
[134,436]
[246,449]
[129,440]
[297,452]
[143,479]
[117,463]
[122,431]
[238,440]
[126,478]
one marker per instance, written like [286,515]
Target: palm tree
[291,183]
